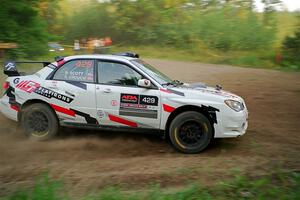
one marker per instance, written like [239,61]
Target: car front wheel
[39,121]
[190,132]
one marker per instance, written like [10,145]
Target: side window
[117,74]
[76,70]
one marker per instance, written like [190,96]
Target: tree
[269,10]
[291,49]
[48,10]
[20,23]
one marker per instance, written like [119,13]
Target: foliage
[91,21]
[223,29]
[226,26]
[21,23]
[214,31]
[291,49]
[283,186]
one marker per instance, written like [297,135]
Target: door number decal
[138,105]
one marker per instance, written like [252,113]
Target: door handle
[53,87]
[70,93]
[107,90]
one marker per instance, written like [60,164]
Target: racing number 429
[148,100]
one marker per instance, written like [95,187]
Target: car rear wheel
[190,132]
[39,121]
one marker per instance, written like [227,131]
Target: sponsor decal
[31,86]
[114,102]
[54,83]
[139,99]
[218,92]
[146,113]
[79,76]
[130,98]
[138,106]
[128,105]
[101,113]
[16,80]
[10,66]
[84,63]
[28,86]
[148,100]
[52,94]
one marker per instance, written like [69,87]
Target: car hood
[201,90]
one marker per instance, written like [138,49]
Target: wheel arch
[33,101]
[186,108]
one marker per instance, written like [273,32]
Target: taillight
[5,85]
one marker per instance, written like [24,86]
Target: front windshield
[151,71]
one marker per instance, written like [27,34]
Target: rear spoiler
[10,68]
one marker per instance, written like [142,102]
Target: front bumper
[232,124]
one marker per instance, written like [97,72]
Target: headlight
[235,105]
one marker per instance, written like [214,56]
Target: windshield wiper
[174,83]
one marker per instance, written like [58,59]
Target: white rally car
[120,91]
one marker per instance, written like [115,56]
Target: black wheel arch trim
[207,111]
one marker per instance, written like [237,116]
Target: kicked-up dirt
[87,160]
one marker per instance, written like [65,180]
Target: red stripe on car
[14,108]
[167,91]
[63,110]
[168,108]
[121,121]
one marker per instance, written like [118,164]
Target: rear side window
[76,70]
[117,74]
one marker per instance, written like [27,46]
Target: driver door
[119,100]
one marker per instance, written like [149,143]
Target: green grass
[282,185]
[258,59]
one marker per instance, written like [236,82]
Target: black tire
[39,121]
[190,132]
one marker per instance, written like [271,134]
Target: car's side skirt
[110,128]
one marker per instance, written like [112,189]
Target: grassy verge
[258,59]
[276,186]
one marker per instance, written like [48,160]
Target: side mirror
[145,83]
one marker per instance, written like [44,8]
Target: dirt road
[89,160]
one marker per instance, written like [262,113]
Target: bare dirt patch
[89,160]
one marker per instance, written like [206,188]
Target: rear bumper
[7,110]
[232,124]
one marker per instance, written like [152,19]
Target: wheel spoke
[38,122]
[191,133]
